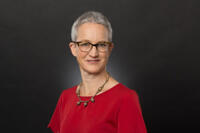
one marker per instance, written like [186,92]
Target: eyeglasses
[86,46]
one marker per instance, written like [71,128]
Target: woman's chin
[93,70]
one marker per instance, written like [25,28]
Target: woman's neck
[91,82]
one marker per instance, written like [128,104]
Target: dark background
[156,53]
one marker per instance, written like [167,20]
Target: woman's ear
[72,47]
[111,47]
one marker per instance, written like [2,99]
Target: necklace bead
[92,99]
[78,103]
[85,104]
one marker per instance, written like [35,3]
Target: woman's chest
[95,117]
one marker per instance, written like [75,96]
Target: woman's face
[92,61]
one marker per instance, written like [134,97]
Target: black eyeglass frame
[106,42]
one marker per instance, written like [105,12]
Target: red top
[116,110]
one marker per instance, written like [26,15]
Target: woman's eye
[84,44]
[102,44]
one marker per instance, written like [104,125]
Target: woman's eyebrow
[100,41]
[84,41]
[90,41]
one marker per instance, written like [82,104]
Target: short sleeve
[130,119]
[54,123]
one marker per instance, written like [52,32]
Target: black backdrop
[156,53]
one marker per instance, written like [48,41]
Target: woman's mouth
[93,61]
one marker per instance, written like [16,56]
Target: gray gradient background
[156,53]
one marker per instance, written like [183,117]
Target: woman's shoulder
[129,97]
[68,91]
[123,90]
[126,91]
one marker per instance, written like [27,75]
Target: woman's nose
[94,51]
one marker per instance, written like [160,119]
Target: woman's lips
[93,61]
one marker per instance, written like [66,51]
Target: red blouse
[116,110]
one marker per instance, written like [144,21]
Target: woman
[99,104]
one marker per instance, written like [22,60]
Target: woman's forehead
[92,32]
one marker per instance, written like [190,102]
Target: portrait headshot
[109,66]
[99,103]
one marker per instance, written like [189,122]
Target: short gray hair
[92,17]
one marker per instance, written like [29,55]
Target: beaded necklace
[92,98]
